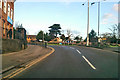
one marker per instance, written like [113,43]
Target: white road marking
[72,48]
[78,51]
[88,62]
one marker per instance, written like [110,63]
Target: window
[0,4]
[3,24]
[8,10]
[5,6]
[3,28]
[11,13]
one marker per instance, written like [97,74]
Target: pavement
[75,62]
[10,60]
[114,49]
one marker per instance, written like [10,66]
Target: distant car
[40,40]
[60,43]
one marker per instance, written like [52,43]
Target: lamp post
[98,17]
[87,43]
[88,26]
[98,23]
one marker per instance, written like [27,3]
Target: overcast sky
[36,16]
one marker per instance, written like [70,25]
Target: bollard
[45,44]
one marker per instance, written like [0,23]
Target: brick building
[6,18]
[31,38]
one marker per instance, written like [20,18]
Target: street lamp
[98,17]
[87,25]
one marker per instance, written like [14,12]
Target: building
[31,38]
[20,33]
[56,40]
[6,18]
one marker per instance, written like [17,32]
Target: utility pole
[88,26]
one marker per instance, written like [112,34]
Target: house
[31,38]
[56,40]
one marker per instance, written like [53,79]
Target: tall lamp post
[98,17]
[88,26]
[87,43]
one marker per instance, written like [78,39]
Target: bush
[78,42]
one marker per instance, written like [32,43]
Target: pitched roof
[31,36]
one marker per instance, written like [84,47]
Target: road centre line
[88,62]
[78,51]
[86,59]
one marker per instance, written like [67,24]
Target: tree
[77,38]
[114,30]
[69,34]
[115,34]
[62,37]
[39,35]
[47,37]
[81,39]
[106,35]
[18,25]
[119,31]
[92,36]
[55,30]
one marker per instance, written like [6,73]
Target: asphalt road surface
[75,62]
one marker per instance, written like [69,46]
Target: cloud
[107,15]
[109,18]
[115,7]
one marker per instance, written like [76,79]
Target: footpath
[10,60]
[114,49]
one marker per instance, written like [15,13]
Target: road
[75,62]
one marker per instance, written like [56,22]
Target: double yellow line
[11,75]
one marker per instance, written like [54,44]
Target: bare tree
[106,35]
[69,34]
[114,30]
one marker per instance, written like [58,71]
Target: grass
[113,46]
